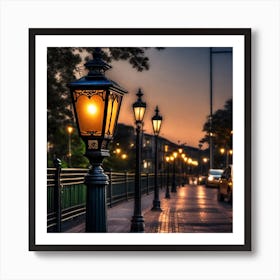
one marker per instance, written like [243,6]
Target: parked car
[213,177]
[225,185]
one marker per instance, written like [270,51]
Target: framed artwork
[163,117]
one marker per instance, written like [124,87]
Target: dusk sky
[178,82]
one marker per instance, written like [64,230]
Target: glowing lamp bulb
[91,109]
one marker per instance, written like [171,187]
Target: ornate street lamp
[137,221]
[156,121]
[96,101]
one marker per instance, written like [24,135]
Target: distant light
[124,156]
[69,129]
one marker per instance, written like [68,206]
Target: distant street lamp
[139,108]
[186,170]
[205,160]
[183,156]
[173,159]
[223,152]
[200,157]
[96,101]
[167,193]
[180,150]
[156,121]
[69,130]
[228,153]
[124,156]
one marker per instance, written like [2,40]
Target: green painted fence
[72,191]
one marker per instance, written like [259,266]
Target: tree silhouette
[221,130]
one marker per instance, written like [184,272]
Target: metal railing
[66,192]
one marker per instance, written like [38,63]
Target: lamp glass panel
[156,126]
[139,113]
[114,102]
[90,111]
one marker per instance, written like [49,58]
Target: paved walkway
[193,208]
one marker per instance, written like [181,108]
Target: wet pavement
[193,208]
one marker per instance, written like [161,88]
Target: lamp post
[183,156]
[167,193]
[223,152]
[227,152]
[200,157]
[180,150]
[69,130]
[96,101]
[173,159]
[186,170]
[139,108]
[205,160]
[156,121]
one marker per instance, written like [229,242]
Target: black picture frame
[33,35]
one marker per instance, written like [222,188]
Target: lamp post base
[167,195]
[156,206]
[137,224]
[96,181]
[173,189]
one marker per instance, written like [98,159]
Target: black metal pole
[156,201]
[182,173]
[173,188]
[69,150]
[211,114]
[137,222]
[96,181]
[110,188]
[167,193]
[57,194]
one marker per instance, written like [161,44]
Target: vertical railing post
[110,188]
[57,194]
